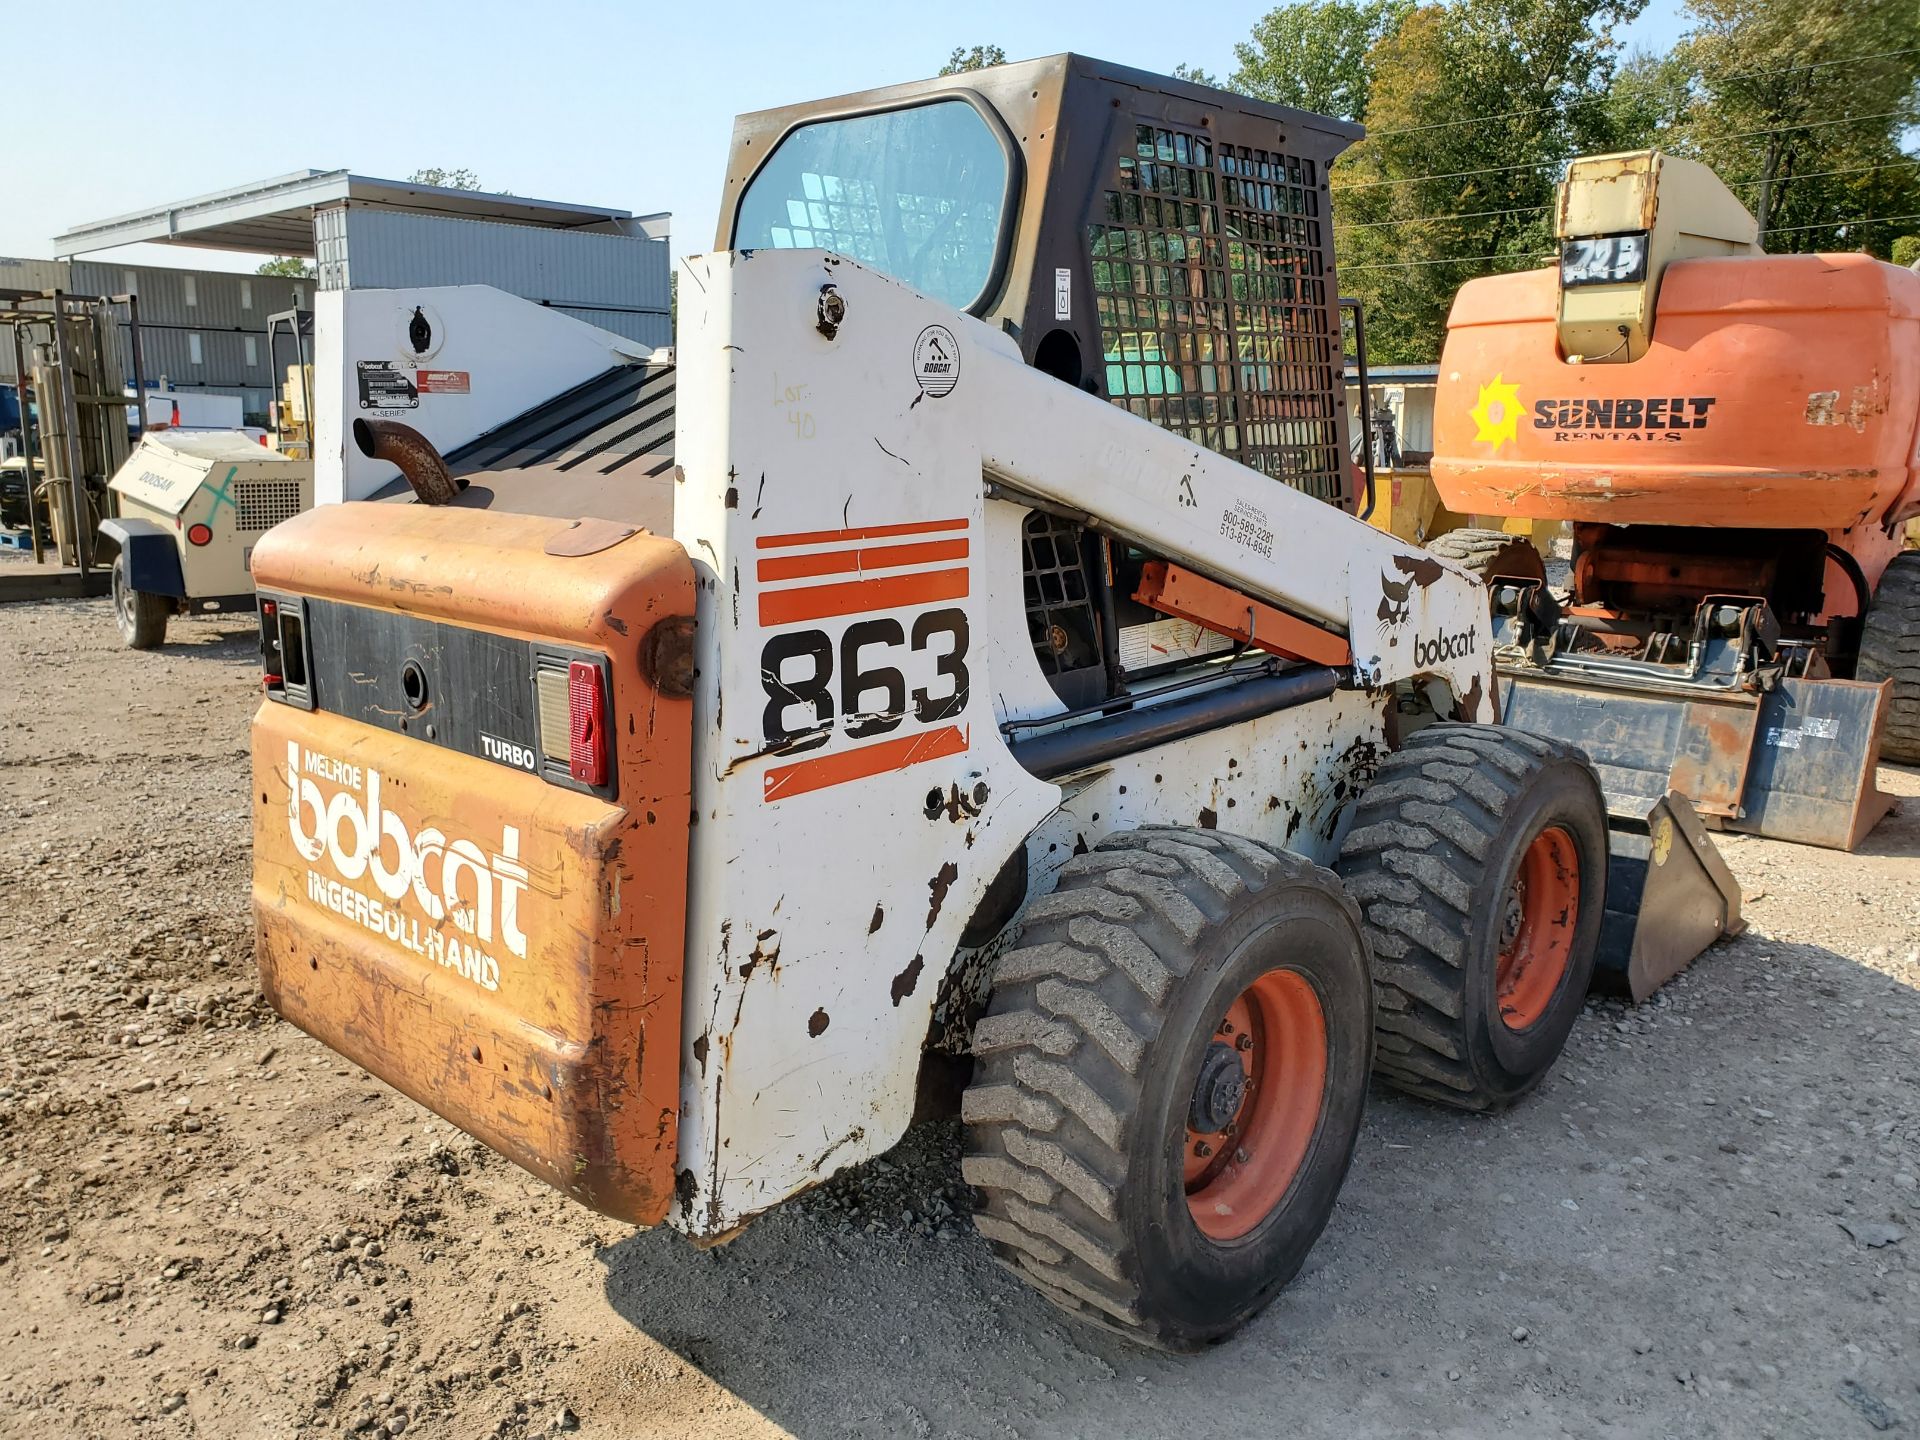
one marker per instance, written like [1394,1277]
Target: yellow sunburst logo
[1496,414]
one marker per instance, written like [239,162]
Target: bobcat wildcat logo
[1395,606]
[362,841]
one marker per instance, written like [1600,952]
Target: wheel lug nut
[1241,1157]
[1202,1149]
[1243,1042]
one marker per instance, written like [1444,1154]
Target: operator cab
[1168,246]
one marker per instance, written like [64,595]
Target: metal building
[606,266]
[201,329]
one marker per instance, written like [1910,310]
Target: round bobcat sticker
[936,360]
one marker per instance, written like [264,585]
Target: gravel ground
[1703,1225]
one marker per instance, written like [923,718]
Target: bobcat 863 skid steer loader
[931,702]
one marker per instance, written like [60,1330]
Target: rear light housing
[573,703]
[571,721]
[199,533]
[587,732]
[286,671]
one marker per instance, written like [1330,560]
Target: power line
[1809,125]
[1823,174]
[1555,164]
[1841,224]
[1511,260]
[1449,175]
[1780,180]
[1425,219]
[1446,260]
[1593,95]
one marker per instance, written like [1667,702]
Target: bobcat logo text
[400,882]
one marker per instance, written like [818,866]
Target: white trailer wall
[489,356]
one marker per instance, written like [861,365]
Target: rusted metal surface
[1174,590]
[1713,750]
[506,951]
[1814,767]
[1631,172]
[1796,762]
[413,453]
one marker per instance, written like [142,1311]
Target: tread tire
[1890,650]
[1435,844]
[1084,1072]
[140,618]
[1491,553]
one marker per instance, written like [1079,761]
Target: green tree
[1802,107]
[1194,75]
[461,179]
[1649,101]
[1474,109]
[1315,56]
[978,57]
[291,266]
[1906,251]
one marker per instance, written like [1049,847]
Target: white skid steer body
[857,464]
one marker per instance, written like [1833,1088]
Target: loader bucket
[1813,772]
[1669,896]
[1795,763]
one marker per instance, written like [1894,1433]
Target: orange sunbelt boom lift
[1732,435]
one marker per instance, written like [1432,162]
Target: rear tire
[141,618]
[1491,554]
[1175,978]
[1479,858]
[1890,650]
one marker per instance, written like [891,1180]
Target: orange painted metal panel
[871,557]
[540,1008]
[861,532]
[1181,593]
[858,597]
[880,758]
[1778,391]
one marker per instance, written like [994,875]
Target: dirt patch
[1706,1224]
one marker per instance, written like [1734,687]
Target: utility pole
[1766,184]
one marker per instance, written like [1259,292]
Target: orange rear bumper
[505,950]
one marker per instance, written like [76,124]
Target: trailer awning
[276,216]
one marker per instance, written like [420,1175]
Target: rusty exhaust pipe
[419,462]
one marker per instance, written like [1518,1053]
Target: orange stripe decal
[865,532]
[875,557]
[864,763]
[852,597]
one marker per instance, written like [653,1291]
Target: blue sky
[607,104]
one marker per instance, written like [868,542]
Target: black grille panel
[1211,284]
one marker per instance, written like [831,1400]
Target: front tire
[1479,858]
[141,618]
[1169,1082]
[1890,650]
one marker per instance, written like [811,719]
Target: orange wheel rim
[1255,1104]
[1536,929]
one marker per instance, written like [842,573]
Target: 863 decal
[878,689]
[809,694]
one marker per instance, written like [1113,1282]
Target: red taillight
[267,607]
[587,706]
[199,535]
